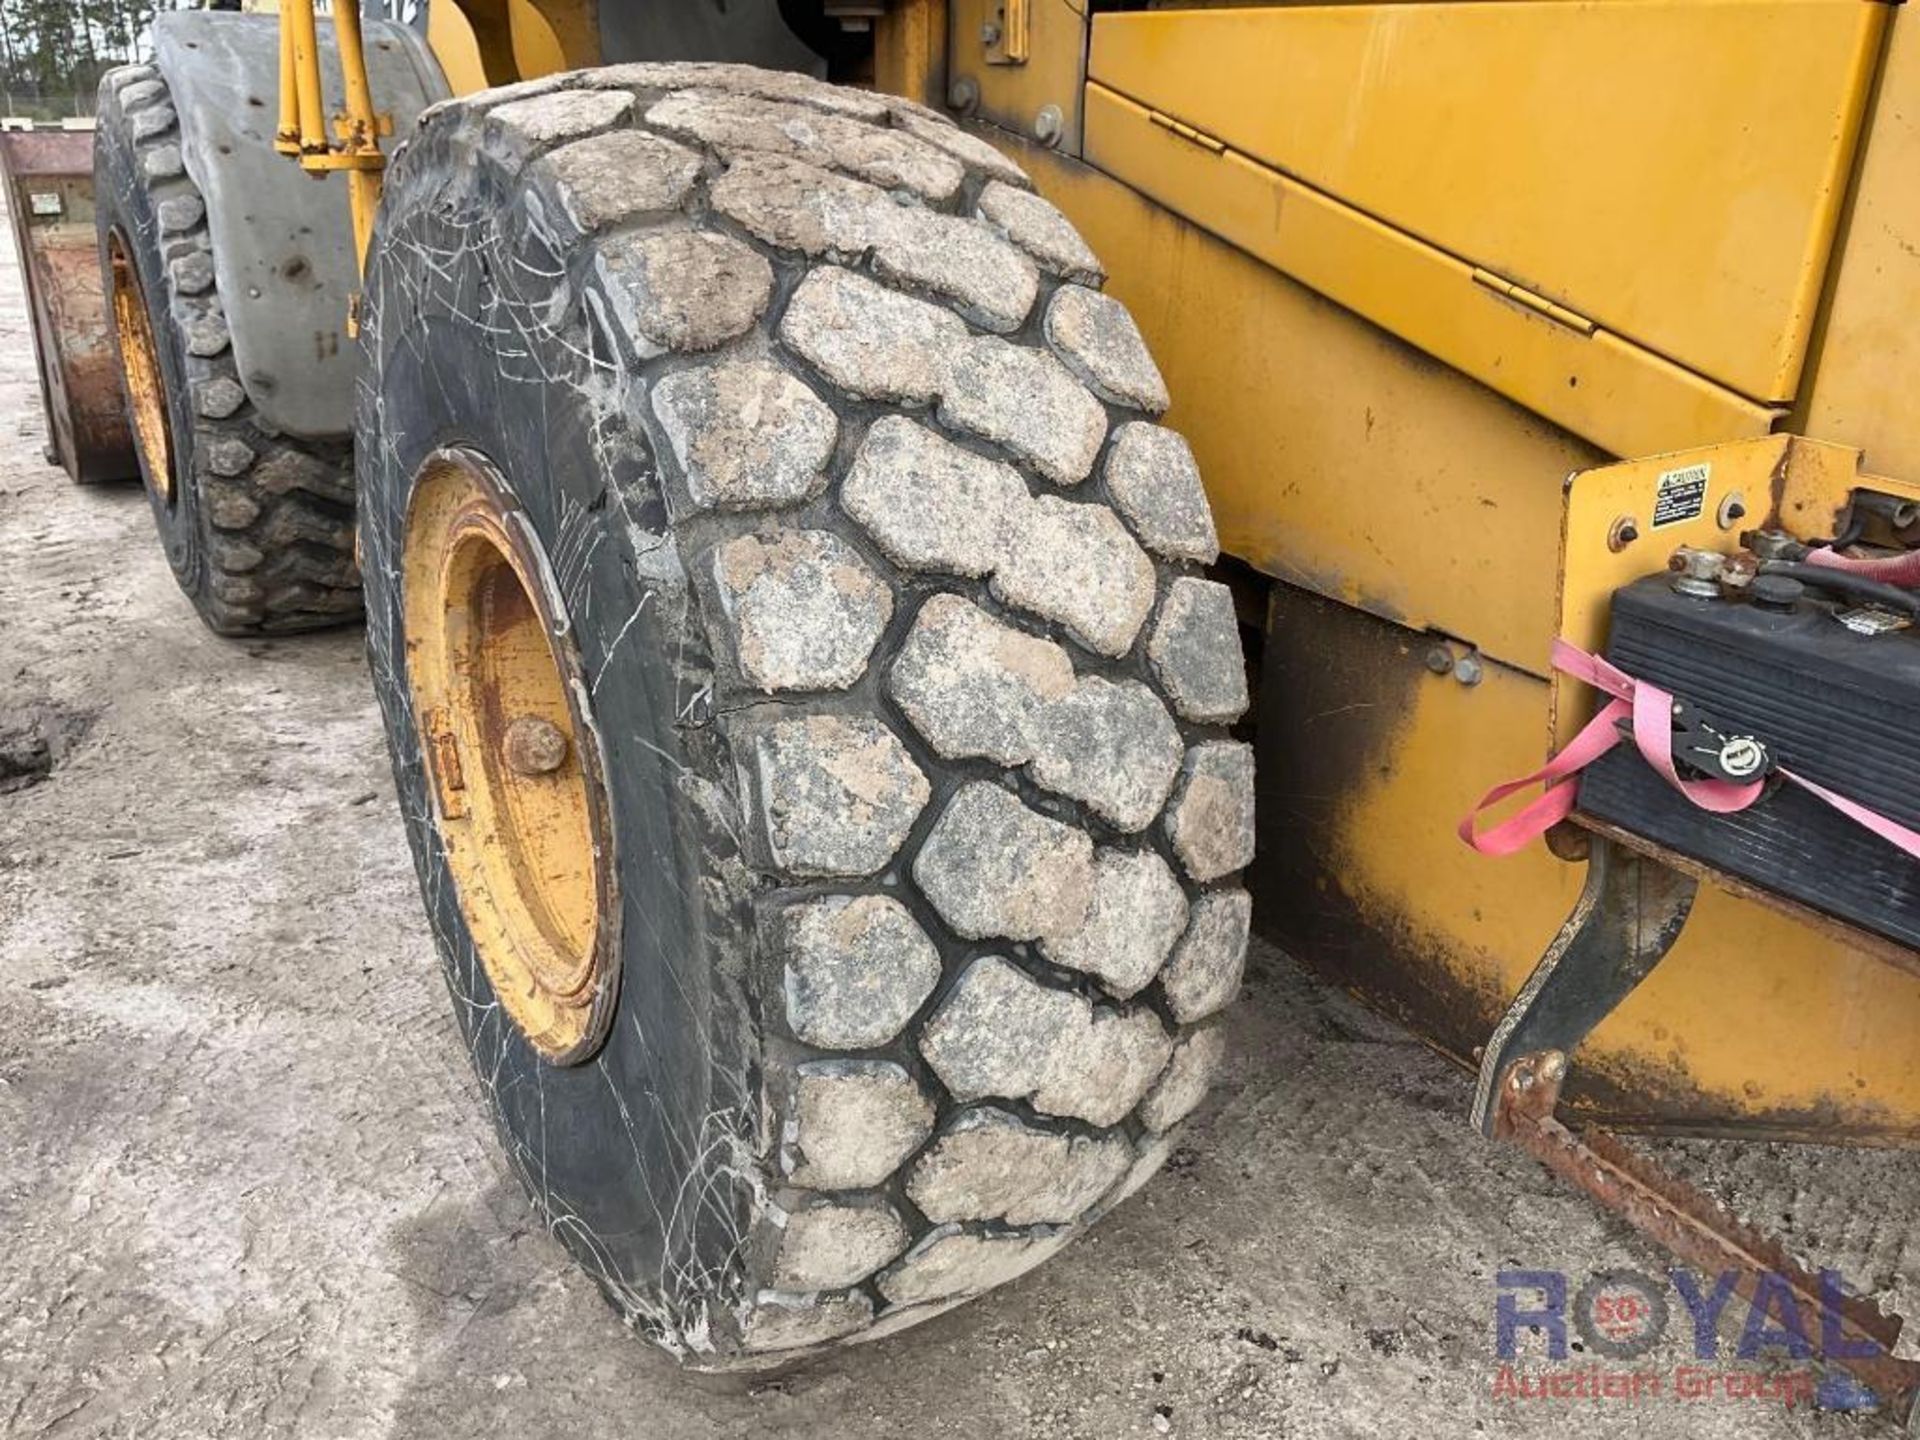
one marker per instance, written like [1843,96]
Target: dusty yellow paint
[303,127]
[1336,456]
[1444,172]
[1014,44]
[575,29]
[1670,169]
[528,850]
[1619,395]
[1866,371]
[360,128]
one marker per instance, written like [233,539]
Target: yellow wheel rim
[511,754]
[146,390]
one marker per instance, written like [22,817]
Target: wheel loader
[842,493]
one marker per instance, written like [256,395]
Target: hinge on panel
[1188,133]
[1539,304]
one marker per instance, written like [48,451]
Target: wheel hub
[146,389]
[513,760]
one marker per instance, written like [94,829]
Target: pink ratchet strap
[1651,711]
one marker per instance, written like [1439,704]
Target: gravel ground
[248,1188]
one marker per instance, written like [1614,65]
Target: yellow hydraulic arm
[302,131]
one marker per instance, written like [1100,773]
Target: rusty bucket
[48,176]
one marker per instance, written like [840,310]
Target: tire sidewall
[639,1192]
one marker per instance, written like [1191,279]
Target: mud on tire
[257,525]
[889,599]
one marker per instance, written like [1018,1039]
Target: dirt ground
[247,1186]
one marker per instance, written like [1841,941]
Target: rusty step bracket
[1629,914]
[1696,1228]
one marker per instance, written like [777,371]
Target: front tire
[257,525]
[875,600]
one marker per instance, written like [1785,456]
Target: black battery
[1833,693]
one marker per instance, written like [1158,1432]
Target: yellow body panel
[1670,256]
[1670,169]
[1621,396]
[1361,470]
[1336,456]
[494,42]
[1866,369]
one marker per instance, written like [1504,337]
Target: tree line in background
[53,52]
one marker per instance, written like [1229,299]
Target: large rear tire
[257,525]
[804,692]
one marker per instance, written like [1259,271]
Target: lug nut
[534,746]
[1048,124]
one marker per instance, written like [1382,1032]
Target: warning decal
[1680,495]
